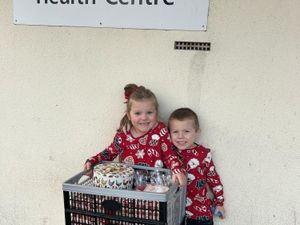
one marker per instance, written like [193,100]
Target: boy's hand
[180,177]
[221,210]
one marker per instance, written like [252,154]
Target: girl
[141,139]
[184,130]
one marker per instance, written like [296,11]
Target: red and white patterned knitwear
[201,170]
[152,149]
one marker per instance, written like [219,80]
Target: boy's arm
[214,181]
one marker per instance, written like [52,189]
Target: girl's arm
[171,160]
[108,154]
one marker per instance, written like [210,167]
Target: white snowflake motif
[140,154]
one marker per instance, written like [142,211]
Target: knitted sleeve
[109,153]
[169,157]
[213,180]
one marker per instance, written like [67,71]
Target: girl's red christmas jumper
[152,149]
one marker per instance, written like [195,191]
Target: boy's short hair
[183,114]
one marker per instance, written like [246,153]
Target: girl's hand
[221,210]
[180,177]
[88,168]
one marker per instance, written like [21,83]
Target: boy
[184,130]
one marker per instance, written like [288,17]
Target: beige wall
[61,101]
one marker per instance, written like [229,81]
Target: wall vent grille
[188,45]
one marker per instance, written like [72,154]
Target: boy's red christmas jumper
[201,170]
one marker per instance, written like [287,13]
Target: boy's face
[183,133]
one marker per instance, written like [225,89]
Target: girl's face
[143,116]
[183,133]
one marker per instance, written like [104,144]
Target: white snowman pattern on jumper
[193,163]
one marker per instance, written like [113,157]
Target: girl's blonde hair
[133,92]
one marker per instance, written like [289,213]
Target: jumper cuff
[218,203]
[178,170]
[92,161]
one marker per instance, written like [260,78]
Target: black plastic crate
[89,205]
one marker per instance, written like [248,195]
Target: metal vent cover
[189,45]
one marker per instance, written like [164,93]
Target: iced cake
[113,175]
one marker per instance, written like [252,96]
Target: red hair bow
[128,93]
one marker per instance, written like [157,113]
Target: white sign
[137,14]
